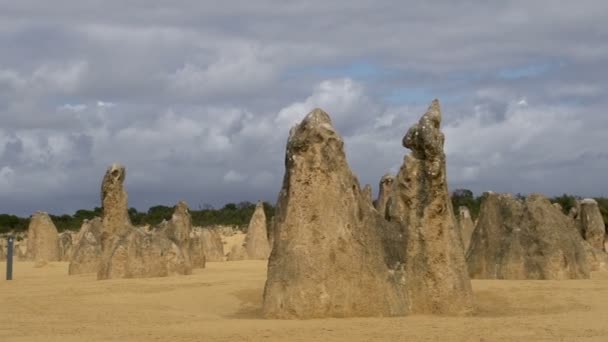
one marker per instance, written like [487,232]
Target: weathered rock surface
[138,254]
[179,230]
[65,246]
[437,277]
[87,249]
[42,238]
[558,206]
[526,239]
[328,259]
[114,200]
[367,194]
[198,258]
[129,252]
[256,242]
[466,226]
[3,249]
[384,194]
[212,244]
[592,223]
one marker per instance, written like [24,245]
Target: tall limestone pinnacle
[114,201]
[384,194]
[327,258]
[256,242]
[437,277]
[43,239]
[130,252]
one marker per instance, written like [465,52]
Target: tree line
[239,214]
[231,214]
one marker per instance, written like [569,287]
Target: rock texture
[87,249]
[138,254]
[42,239]
[437,278]
[384,194]
[65,246]
[367,194]
[129,252]
[198,258]
[466,226]
[526,239]
[3,249]
[179,229]
[592,223]
[328,259]
[256,242]
[114,202]
[212,244]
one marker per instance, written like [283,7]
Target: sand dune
[222,303]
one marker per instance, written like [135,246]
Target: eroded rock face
[180,225]
[198,259]
[42,239]
[466,226]
[366,192]
[114,200]
[87,250]
[558,206]
[129,252]
[256,242]
[528,239]
[179,229]
[65,246]
[328,258]
[212,244]
[138,254]
[592,223]
[3,249]
[437,278]
[384,194]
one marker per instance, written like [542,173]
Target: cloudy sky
[197,99]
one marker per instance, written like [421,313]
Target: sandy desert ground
[222,303]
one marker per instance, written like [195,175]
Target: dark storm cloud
[197,99]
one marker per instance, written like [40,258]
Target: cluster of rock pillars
[332,251]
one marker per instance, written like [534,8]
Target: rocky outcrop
[129,252]
[526,239]
[328,257]
[114,202]
[142,255]
[87,249]
[384,194]
[198,258]
[558,207]
[466,226]
[179,230]
[65,246]
[592,223]
[212,244]
[3,249]
[437,278]
[42,239]
[256,242]
[367,194]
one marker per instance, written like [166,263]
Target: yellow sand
[222,303]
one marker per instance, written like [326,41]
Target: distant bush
[232,214]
